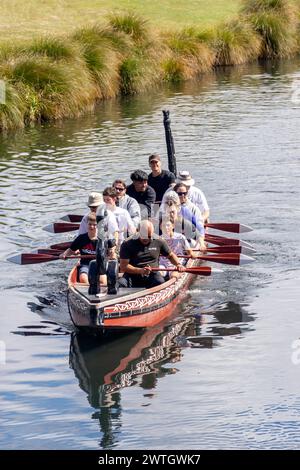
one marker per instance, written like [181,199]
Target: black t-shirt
[140,255]
[161,183]
[85,245]
[145,198]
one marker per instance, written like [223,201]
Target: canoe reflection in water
[104,368]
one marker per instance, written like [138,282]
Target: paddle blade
[61,227]
[229,227]
[230,249]
[31,258]
[217,240]
[234,259]
[61,246]
[48,251]
[72,218]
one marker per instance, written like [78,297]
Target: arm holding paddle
[67,253]
[175,260]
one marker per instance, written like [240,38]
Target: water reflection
[140,358]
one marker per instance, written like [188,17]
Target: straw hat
[94,200]
[185,177]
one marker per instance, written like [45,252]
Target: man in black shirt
[139,190]
[86,244]
[140,253]
[160,180]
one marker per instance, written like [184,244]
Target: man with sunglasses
[160,180]
[196,196]
[126,202]
[190,211]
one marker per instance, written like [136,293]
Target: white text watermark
[2,353]
[2,92]
[295,357]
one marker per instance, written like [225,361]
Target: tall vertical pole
[170,143]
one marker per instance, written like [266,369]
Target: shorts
[83,269]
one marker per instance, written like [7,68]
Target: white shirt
[178,244]
[131,205]
[124,221]
[197,197]
[110,224]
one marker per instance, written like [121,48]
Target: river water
[222,372]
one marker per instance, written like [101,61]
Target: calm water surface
[223,371]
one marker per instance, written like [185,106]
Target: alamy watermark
[295,357]
[2,353]
[295,97]
[2,92]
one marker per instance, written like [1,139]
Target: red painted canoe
[131,308]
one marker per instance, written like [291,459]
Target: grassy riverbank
[52,76]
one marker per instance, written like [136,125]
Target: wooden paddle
[35,258]
[72,218]
[61,227]
[61,246]
[229,249]
[234,259]
[229,227]
[200,270]
[48,255]
[217,249]
[217,240]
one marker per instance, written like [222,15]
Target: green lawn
[24,19]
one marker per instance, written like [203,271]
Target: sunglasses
[119,189]
[182,193]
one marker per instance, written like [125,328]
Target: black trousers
[133,280]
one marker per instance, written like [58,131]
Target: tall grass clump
[102,50]
[50,90]
[277,22]
[131,24]
[189,55]
[12,111]
[236,43]
[139,68]
[54,48]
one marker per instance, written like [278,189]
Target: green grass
[21,19]
[58,57]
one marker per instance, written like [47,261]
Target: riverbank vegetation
[52,76]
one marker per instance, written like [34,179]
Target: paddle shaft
[200,270]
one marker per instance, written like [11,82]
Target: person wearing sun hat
[196,196]
[94,202]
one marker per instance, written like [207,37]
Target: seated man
[140,253]
[196,196]
[141,191]
[126,202]
[86,244]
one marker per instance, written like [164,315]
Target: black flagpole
[170,143]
